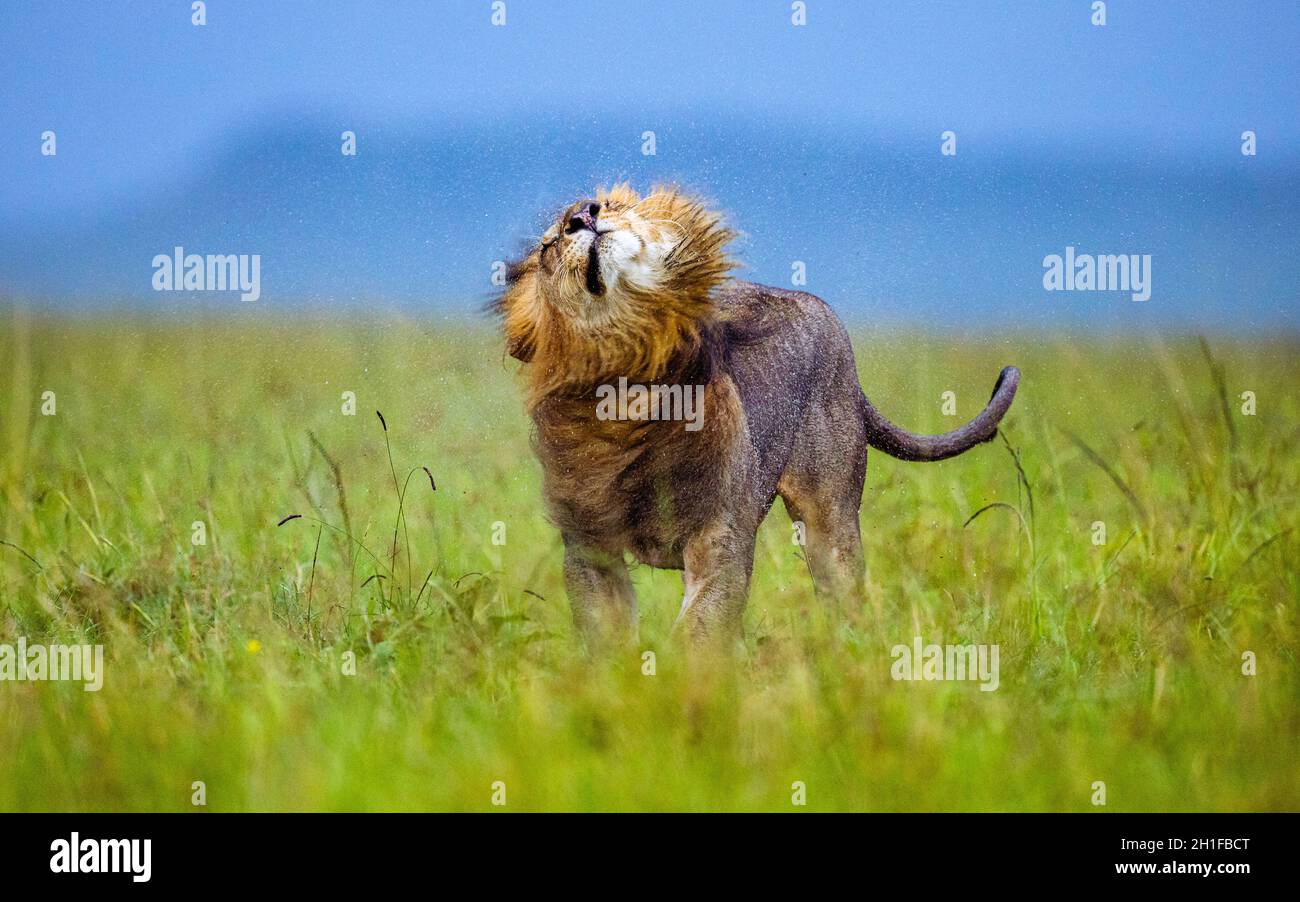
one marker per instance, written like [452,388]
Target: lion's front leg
[600,595]
[718,563]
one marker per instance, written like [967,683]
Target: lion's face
[602,253]
[616,275]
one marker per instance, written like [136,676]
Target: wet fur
[783,415]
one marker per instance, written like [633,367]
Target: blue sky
[135,92]
[144,103]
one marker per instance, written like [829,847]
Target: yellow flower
[253,646]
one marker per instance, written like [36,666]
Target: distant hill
[887,228]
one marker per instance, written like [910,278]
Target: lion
[637,290]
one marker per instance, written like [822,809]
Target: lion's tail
[885,436]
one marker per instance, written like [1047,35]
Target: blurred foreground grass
[1121,662]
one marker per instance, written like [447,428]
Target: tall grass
[1121,662]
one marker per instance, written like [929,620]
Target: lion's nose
[584,218]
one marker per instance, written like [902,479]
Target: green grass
[1120,663]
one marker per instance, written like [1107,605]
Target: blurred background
[821,141]
[152,444]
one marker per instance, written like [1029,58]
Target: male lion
[624,287]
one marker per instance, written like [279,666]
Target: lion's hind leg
[822,489]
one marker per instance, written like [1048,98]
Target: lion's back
[786,350]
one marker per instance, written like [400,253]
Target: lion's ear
[702,262]
[520,347]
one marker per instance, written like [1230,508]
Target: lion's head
[616,285]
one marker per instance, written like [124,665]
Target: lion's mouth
[595,287]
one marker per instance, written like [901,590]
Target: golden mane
[652,327]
